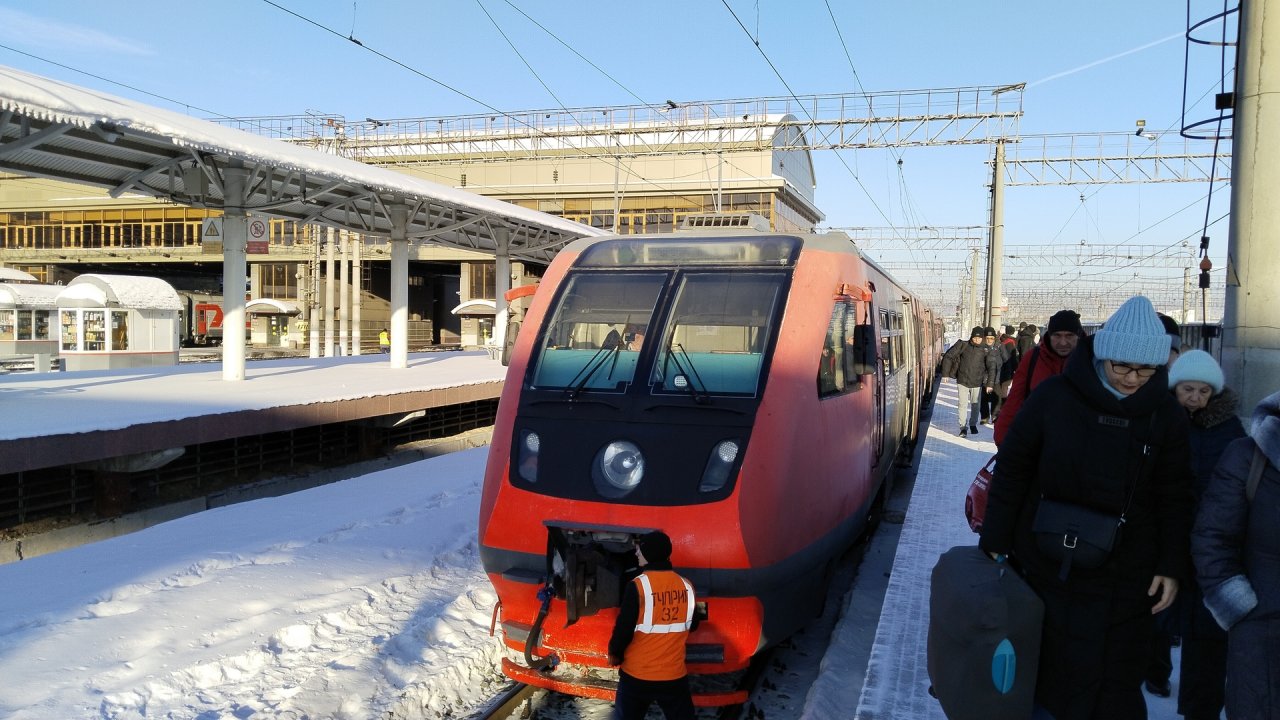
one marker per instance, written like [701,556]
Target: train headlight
[716,473]
[527,456]
[618,468]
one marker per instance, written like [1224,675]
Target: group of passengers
[983,368]
[1131,448]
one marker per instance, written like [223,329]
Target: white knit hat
[1133,334]
[1196,366]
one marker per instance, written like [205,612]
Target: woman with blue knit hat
[1197,382]
[1091,502]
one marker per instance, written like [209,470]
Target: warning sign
[257,241]
[211,236]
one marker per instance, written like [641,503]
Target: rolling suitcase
[984,637]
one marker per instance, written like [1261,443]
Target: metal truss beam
[949,116]
[1098,158]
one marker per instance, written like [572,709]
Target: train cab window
[594,339]
[717,332]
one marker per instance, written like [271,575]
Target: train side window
[886,342]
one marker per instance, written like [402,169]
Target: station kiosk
[118,321]
[273,323]
[26,321]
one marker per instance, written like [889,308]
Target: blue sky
[1090,66]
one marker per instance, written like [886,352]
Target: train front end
[629,406]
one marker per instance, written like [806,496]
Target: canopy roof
[478,306]
[8,274]
[126,291]
[57,130]
[271,306]
[28,295]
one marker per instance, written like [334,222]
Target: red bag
[975,502]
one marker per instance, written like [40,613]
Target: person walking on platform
[1236,548]
[1041,361]
[974,369]
[648,641]
[1009,359]
[987,402]
[1091,501]
[1197,383]
[384,341]
[1026,338]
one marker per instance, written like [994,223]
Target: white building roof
[54,129]
[270,306]
[125,291]
[8,274]
[28,295]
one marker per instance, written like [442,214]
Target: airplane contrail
[1095,63]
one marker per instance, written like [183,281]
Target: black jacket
[1076,442]
[1212,429]
[971,365]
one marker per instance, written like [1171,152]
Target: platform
[116,441]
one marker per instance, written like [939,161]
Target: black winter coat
[1212,429]
[971,365]
[1075,442]
[1236,547]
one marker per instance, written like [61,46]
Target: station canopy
[56,130]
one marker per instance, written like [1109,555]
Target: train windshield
[717,333]
[594,339]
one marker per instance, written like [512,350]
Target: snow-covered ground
[353,600]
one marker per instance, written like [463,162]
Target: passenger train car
[746,392]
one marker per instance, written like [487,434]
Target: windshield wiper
[589,370]
[701,397]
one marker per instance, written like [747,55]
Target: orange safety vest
[656,651]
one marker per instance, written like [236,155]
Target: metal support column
[399,285]
[344,293]
[972,304]
[330,289]
[1251,339]
[501,284]
[235,239]
[313,295]
[357,294]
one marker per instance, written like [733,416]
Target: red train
[746,392]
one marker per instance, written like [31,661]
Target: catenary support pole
[399,286]
[973,293]
[995,259]
[1251,335]
[235,238]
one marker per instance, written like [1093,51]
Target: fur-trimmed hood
[1266,427]
[1221,408]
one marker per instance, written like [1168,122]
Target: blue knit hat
[1197,366]
[1133,334]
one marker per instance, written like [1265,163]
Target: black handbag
[1074,535]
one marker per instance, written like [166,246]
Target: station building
[639,174]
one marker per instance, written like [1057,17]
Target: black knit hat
[1010,330]
[655,546]
[990,331]
[977,331]
[1064,321]
[1171,329]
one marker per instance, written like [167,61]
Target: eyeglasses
[1142,371]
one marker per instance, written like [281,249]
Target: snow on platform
[39,405]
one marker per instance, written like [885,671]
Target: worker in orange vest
[648,639]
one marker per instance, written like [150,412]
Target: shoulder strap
[1031,367]
[1256,467]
